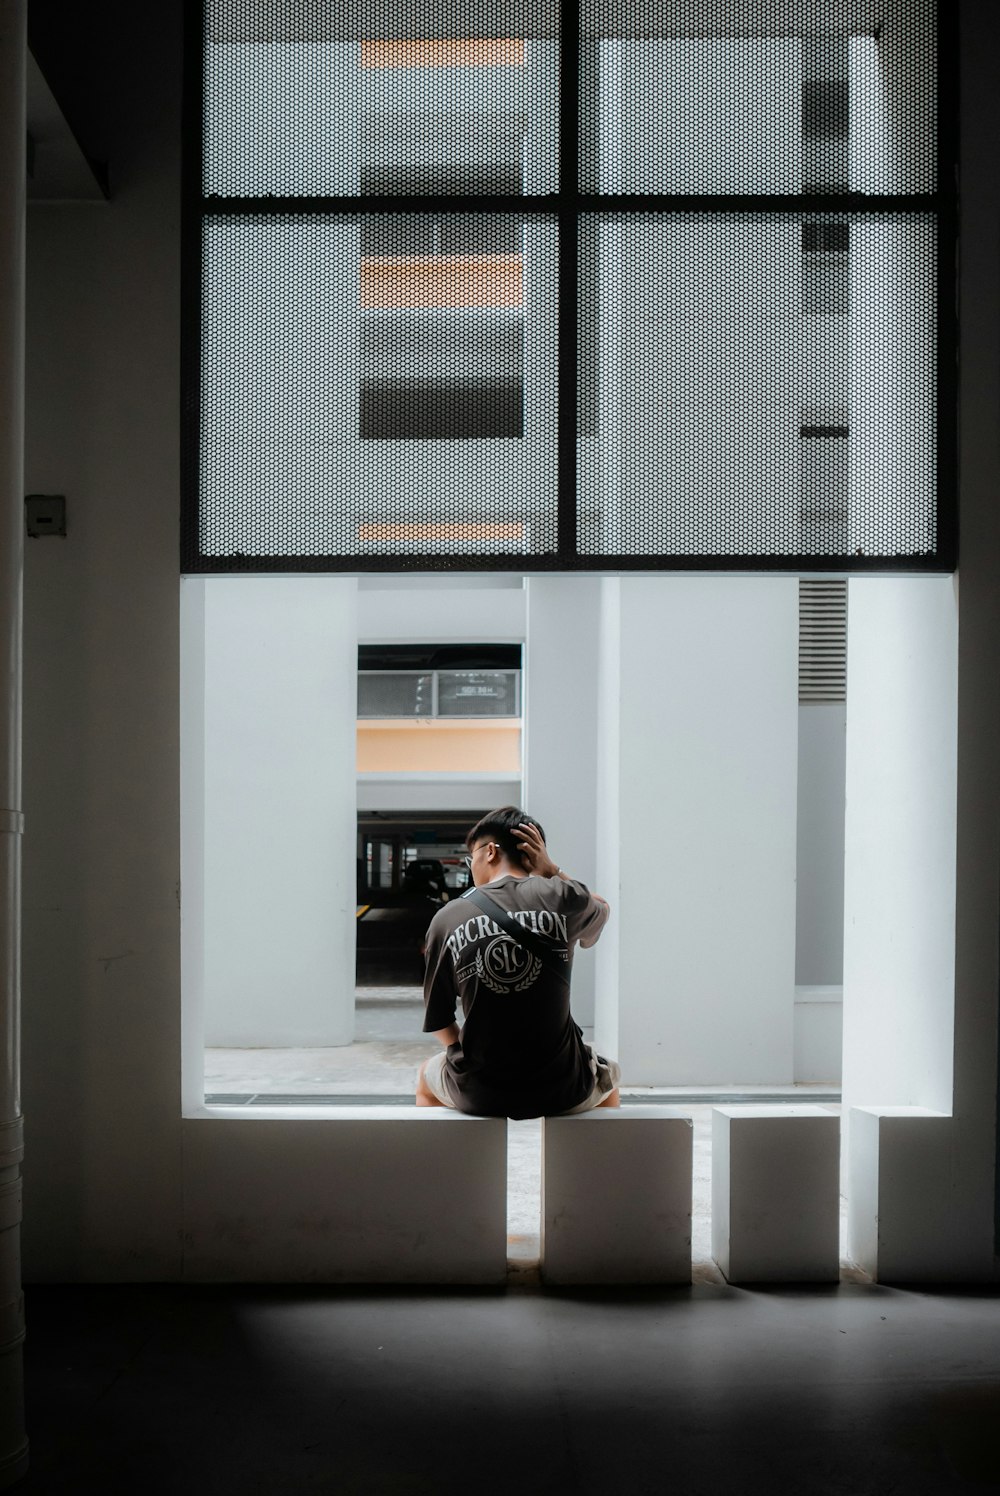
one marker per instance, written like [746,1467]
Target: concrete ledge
[901,1174]
[616,1196]
[344,1195]
[776,1193]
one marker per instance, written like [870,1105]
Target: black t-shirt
[519,1053]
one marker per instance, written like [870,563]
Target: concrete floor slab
[704,1391]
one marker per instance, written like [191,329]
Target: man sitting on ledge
[507,957]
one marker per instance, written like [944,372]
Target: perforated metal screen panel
[378,386]
[523,285]
[751,403]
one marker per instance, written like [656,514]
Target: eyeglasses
[468,860]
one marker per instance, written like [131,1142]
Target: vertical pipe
[13,135]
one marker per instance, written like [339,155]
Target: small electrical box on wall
[45,514]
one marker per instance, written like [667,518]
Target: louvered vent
[822,640]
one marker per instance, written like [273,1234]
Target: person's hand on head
[533,852]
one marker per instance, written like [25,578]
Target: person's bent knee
[424,1095]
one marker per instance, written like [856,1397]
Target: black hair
[502,826]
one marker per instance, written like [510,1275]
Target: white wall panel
[706,115]
[433,612]
[280,829]
[819,903]
[706,777]
[899,888]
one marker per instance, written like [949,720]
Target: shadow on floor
[705,1391]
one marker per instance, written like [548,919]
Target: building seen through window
[446,712]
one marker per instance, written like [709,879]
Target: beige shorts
[606,1073]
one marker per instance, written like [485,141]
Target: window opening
[437,714]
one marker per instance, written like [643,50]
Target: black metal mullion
[440,202]
[569,192]
[578,203]
[532,562]
[788,203]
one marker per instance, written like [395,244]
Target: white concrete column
[698,769]
[917,1030]
[891,452]
[819,941]
[560,735]
[539,102]
[13,1443]
[280,818]
[893,83]
[899,906]
[608,815]
[708,319]
[899,868]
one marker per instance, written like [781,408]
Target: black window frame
[568,206]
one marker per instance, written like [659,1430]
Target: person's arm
[535,856]
[439,987]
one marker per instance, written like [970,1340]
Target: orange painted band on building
[438,748]
[458,530]
[440,281]
[468,52]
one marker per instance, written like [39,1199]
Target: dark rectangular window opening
[439,411]
[825,109]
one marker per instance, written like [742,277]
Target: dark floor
[859,1390]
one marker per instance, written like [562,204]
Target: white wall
[700,399]
[279,805]
[706,671]
[891,462]
[475,793]
[700,318]
[819,892]
[818,1034]
[700,114]
[819,859]
[899,886]
[441,610]
[302,92]
[893,104]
